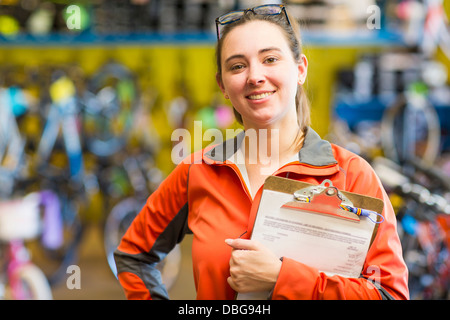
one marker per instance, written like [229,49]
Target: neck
[273,144]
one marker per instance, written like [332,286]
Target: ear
[221,86]
[302,69]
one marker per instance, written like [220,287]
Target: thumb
[241,244]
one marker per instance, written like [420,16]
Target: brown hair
[292,33]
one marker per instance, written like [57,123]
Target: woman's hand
[253,267]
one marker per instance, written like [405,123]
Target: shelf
[91,39]
[353,112]
[310,38]
[356,38]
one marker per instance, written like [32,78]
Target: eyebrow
[238,56]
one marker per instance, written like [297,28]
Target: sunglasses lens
[230,17]
[234,16]
[267,10]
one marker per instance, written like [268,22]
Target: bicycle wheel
[410,129]
[117,223]
[30,283]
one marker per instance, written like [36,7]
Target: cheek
[293,77]
[234,86]
[291,85]
[284,77]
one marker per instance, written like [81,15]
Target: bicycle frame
[63,115]
[18,256]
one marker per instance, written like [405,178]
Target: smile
[260,95]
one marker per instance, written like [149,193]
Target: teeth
[260,96]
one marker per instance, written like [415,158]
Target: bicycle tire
[393,120]
[116,225]
[32,282]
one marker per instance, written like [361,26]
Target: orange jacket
[206,195]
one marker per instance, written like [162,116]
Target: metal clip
[306,194]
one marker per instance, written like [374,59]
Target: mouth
[260,96]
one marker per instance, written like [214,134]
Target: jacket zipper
[241,179]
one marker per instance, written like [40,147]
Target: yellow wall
[166,66]
[163,68]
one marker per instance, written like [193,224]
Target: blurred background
[91,91]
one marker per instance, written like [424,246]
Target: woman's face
[260,75]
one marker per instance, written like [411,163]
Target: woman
[261,70]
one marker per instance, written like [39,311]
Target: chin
[263,122]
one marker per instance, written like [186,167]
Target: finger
[242,244]
[231,283]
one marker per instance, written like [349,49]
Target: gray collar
[315,151]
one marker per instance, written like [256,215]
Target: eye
[237,67]
[271,60]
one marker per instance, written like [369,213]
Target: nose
[255,75]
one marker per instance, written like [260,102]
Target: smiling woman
[262,71]
[215,193]
[260,75]
[287,30]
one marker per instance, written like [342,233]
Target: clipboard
[306,222]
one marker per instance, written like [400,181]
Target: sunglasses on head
[233,16]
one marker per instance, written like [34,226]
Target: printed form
[331,245]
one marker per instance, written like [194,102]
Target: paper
[331,245]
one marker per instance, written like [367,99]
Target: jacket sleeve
[384,275]
[160,225]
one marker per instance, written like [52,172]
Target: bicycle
[108,106]
[62,115]
[65,181]
[20,220]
